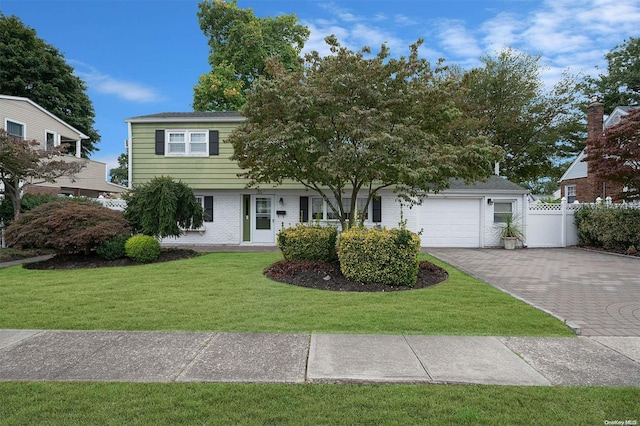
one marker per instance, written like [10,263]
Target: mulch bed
[78,261]
[322,276]
[327,276]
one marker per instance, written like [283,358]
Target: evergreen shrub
[114,248]
[379,256]
[616,228]
[142,248]
[308,242]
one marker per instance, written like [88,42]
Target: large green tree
[536,126]
[620,84]
[31,68]
[240,43]
[348,122]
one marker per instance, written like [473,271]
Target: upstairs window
[570,193]
[15,129]
[187,142]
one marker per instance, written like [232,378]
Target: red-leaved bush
[66,226]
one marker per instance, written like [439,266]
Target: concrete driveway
[597,294]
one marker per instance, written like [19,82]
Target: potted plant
[510,231]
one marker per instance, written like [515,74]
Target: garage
[449,222]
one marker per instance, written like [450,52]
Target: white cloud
[501,32]
[104,83]
[339,12]
[571,35]
[458,40]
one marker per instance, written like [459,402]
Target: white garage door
[449,222]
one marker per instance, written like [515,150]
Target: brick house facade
[580,184]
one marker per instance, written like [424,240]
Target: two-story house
[192,147]
[579,183]
[23,118]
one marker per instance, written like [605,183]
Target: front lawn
[258,404]
[227,292]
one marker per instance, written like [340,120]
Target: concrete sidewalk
[113,356]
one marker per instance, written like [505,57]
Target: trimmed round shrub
[142,248]
[113,249]
[379,256]
[313,242]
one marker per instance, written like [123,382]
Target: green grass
[251,404]
[227,292]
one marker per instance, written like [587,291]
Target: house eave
[29,101]
[178,118]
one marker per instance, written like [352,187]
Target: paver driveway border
[596,294]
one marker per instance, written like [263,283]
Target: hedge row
[365,255]
[611,228]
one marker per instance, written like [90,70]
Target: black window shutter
[159,142]
[208,208]
[214,142]
[304,209]
[377,209]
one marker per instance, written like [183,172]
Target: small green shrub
[379,256]
[142,248]
[615,228]
[114,248]
[308,242]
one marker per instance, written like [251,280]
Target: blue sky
[142,57]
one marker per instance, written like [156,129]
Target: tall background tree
[346,123]
[537,127]
[120,174]
[240,43]
[620,84]
[615,155]
[31,68]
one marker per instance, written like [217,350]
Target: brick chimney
[595,119]
[593,186]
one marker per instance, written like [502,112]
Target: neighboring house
[578,183]
[192,147]
[25,119]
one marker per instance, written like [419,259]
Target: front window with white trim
[320,210]
[502,210]
[187,143]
